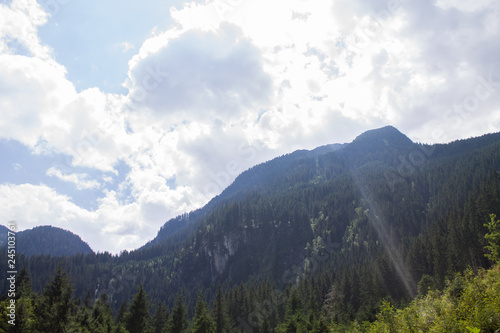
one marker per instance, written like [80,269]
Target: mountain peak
[377,145]
[49,240]
[388,136]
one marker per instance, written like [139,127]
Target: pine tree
[160,321]
[102,316]
[203,322]
[137,320]
[122,312]
[55,305]
[220,312]
[179,318]
[295,319]
[25,304]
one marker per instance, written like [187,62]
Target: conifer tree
[55,305]
[25,304]
[179,318]
[220,313]
[137,320]
[102,316]
[295,320]
[202,322]
[160,321]
[122,312]
[23,283]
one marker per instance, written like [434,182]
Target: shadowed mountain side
[48,240]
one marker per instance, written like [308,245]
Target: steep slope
[279,172]
[262,177]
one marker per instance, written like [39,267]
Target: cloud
[112,227]
[79,180]
[126,46]
[200,75]
[20,22]
[30,88]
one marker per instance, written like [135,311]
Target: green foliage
[102,316]
[160,319]
[202,322]
[179,318]
[476,309]
[138,317]
[220,313]
[54,307]
[493,237]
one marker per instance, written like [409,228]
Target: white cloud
[199,75]
[20,22]
[79,180]
[126,46]
[31,88]
[112,227]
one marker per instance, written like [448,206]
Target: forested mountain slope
[347,225]
[48,240]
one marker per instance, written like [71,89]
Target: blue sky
[118,115]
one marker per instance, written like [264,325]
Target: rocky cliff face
[220,251]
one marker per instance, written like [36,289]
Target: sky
[117,115]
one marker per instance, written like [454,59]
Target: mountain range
[372,219]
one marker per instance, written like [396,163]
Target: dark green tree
[55,306]
[160,319]
[137,319]
[102,316]
[295,320]
[25,304]
[121,318]
[220,312]
[202,322]
[179,318]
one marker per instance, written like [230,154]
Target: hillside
[49,241]
[342,226]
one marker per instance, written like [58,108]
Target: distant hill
[3,235]
[47,240]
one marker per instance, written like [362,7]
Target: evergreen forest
[378,235]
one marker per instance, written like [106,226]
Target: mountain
[278,172]
[257,177]
[3,235]
[48,240]
[343,226]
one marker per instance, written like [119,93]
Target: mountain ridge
[388,135]
[48,240]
